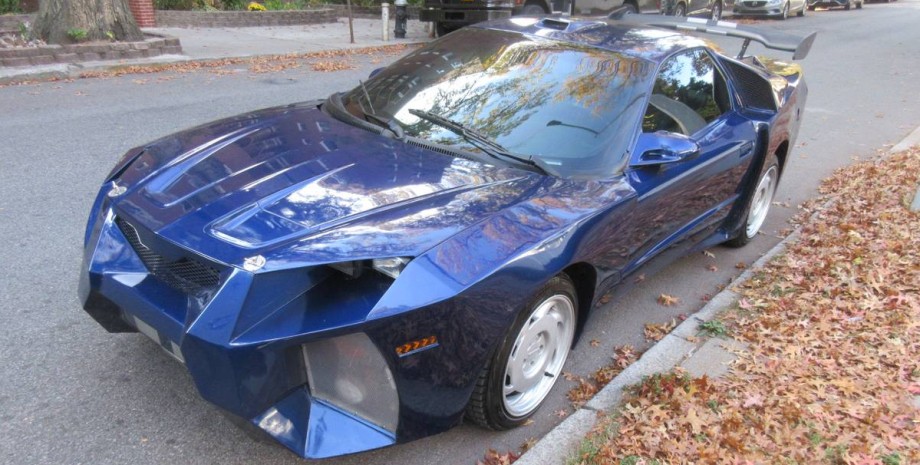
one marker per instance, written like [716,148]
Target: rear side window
[689,93]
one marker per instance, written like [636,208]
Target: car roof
[621,36]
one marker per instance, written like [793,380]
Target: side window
[689,93]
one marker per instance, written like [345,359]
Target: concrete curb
[559,444]
[74,70]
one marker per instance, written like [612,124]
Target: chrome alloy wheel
[538,354]
[760,204]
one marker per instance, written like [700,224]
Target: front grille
[755,4]
[184,274]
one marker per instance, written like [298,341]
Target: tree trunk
[100,19]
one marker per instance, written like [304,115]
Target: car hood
[294,183]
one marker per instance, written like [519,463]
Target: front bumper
[243,342]
[455,15]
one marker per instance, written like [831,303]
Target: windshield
[574,107]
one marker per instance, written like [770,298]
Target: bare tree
[100,19]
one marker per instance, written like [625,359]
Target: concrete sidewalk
[211,43]
[202,44]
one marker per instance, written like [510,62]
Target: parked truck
[448,15]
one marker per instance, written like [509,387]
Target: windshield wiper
[480,140]
[393,126]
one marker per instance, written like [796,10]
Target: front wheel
[529,362]
[785,13]
[759,204]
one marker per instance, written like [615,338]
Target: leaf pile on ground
[833,370]
[585,388]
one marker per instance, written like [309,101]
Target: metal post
[385,18]
[351,27]
[402,15]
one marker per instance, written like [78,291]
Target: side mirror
[374,72]
[660,148]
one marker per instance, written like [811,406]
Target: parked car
[350,273]
[775,8]
[846,4]
[708,8]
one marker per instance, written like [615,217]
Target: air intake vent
[184,274]
[557,24]
[755,91]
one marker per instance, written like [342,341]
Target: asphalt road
[71,393]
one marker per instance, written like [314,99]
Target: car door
[693,152]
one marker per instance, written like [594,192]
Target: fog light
[351,374]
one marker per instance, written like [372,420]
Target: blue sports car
[368,269]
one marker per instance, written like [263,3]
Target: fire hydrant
[401,17]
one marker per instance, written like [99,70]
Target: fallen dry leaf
[494,457]
[667,300]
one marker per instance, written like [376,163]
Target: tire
[631,8]
[442,29]
[859,6]
[533,9]
[848,6]
[785,14]
[680,9]
[716,12]
[758,206]
[532,354]
[801,12]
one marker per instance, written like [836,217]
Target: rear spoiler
[770,38]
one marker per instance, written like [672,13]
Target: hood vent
[557,24]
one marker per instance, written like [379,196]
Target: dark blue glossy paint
[303,190]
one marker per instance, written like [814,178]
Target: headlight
[391,267]
[351,374]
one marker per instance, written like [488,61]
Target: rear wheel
[802,11]
[442,29]
[680,9]
[848,5]
[759,205]
[785,13]
[716,11]
[533,9]
[631,7]
[859,6]
[529,362]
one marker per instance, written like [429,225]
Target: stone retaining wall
[371,12]
[174,18]
[10,23]
[75,53]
